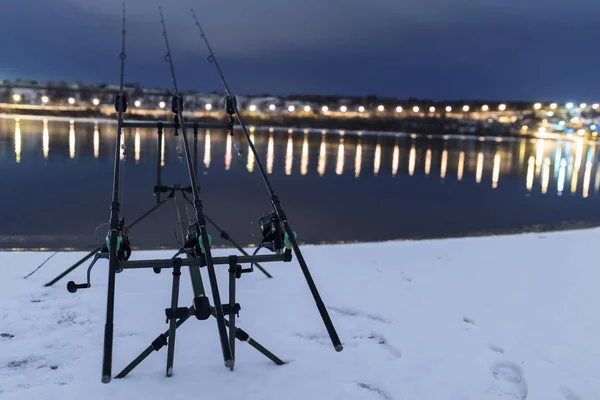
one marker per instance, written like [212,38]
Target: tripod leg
[173,318]
[161,340]
[232,311]
[156,345]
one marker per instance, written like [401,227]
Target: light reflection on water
[311,167]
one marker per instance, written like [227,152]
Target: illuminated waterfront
[332,182]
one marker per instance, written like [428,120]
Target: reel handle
[72,287]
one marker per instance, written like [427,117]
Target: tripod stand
[200,308]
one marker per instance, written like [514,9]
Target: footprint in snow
[569,394]
[508,382]
[496,348]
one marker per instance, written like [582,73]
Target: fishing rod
[115,236]
[199,230]
[290,235]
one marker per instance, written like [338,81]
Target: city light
[208,107]
[416,109]
[343,108]
[448,109]
[569,105]
[325,108]
[466,108]
[583,106]
[96,102]
[380,108]
[252,107]
[581,132]
[291,108]
[485,108]
[550,113]
[431,109]
[502,107]
[71,100]
[553,106]
[137,103]
[272,107]
[361,109]
[574,120]
[398,109]
[162,104]
[562,123]
[537,106]
[16,97]
[524,127]
[593,127]
[45,99]
[542,129]
[307,108]
[595,106]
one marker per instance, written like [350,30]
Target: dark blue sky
[438,49]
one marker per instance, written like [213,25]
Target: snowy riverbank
[475,318]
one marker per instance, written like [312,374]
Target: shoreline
[565,226]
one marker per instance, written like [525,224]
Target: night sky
[437,49]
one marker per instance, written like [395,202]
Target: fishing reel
[123,242]
[273,237]
[123,254]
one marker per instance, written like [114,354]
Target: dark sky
[437,49]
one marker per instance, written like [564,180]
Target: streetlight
[291,108]
[96,102]
[16,97]
[71,100]
[324,108]
[502,107]
[537,106]
[45,99]
[307,108]
[569,105]
[448,109]
[398,109]
[137,103]
[485,107]
[553,106]
[416,109]
[272,107]
[361,109]
[343,108]
[595,106]
[381,108]
[550,113]
[252,107]
[208,107]
[466,108]
[162,104]
[431,109]
[583,106]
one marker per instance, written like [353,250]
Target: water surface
[57,179]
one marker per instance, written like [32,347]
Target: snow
[500,317]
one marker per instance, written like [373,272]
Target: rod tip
[105,378]
[339,348]
[229,364]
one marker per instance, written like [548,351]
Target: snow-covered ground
[508,317]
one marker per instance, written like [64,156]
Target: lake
[335,187]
